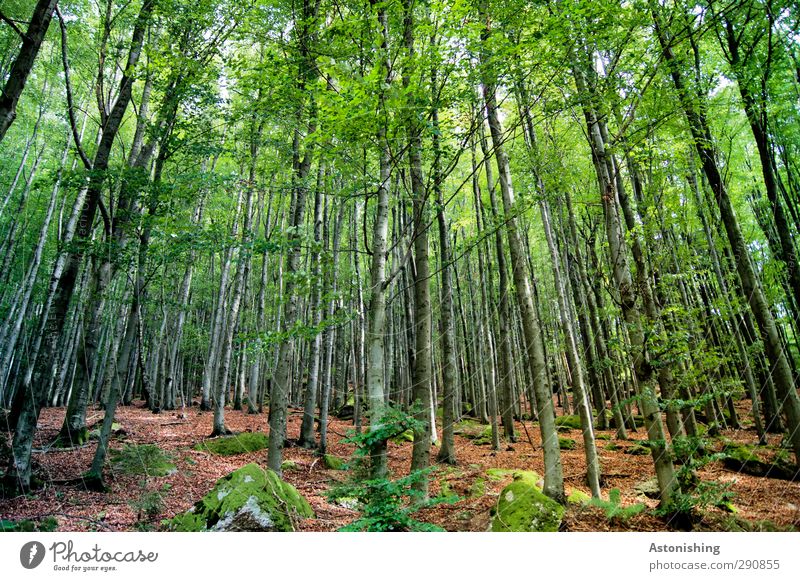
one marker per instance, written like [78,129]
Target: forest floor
[759,503]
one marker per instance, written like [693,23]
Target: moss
[407,436]
[248,499]
[500,473]
[522,507]
[612,446]
[144,459]
[478,488]
[569,422]
[648,488]
[68,438]
[602,436]
[637,450]
[576,496]
[334,462]
[446,493]
[485,437]
[464,515]
[289,465]
[470,429]
[236,444]
[733,523]
[566,443]
[759,462]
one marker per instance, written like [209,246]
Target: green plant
[388,505]
[614,511]
[385,504]
[695,494]
[684,504]
[47,524]
[142,460]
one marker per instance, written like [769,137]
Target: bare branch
[13,25]
[70,102]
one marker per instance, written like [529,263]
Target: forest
[399,265]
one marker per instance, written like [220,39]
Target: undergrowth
[385,504]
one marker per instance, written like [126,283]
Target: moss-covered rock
[287,465]
[485,437]
[566,443]
[500,473]
[235,444]
[522,507]
[648,488]
[469,429]
[334,462]
[569,422]
[637,450]
[599,436]
[759,461]
[248,499]
[576,496]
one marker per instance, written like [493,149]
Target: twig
[528,435]
[12,24]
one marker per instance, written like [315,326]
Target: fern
[614,510]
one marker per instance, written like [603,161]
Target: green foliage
[701,495]
[613,509]
[47,524]
[385,504]
[142,460]
[695,495]
[148,505]
[388,505]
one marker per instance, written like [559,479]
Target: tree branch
[13,25]
[70,103]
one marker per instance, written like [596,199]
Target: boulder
[570,422]
[759,461]
[637,449]
[522,507]
[236,444]
[648,488]
[248,499]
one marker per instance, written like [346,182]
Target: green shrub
[385,504]
[614,511]
[47,524]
